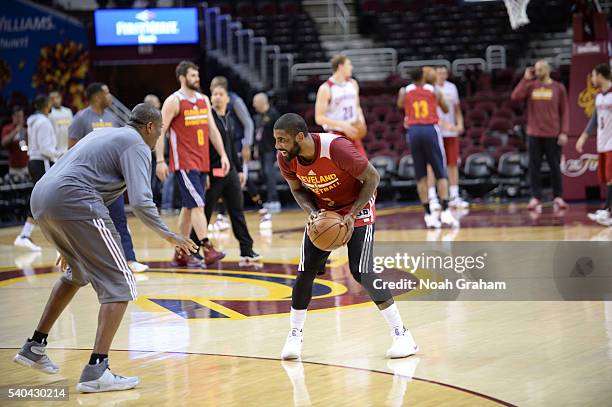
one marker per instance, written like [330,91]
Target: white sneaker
[220,225]
[599,215]
[605,222]
[403,344]
[447,218]
[434,205]
[432,221]
[459,203]
[265,221]
[107,382]
[293,345]
[137,267]
[26,243]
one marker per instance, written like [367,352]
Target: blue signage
[146,26]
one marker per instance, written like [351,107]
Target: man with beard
[186,113]
[307,161]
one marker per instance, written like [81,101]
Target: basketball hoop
[517,11]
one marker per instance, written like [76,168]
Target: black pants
[36,168]
[537,147]
[230,190]
[361,263]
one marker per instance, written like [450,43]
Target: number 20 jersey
[189,134]
[420,105]
[343,102]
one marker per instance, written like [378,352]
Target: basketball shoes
[211,255]
[187,260]
[599,215]
[98,378]
[535,205]
[432,221]
[447,218]
[26,242]
[403,344]
[34,354]
[293,345]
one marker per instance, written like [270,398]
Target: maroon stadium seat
[504,113]
[500,125]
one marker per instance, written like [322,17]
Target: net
[517,11]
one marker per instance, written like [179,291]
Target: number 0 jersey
[189,134]
[420,105]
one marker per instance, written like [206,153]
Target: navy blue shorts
[192,185]
[427,148]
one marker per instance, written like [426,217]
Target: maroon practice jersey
[332,175]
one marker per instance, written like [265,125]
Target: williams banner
[40,50]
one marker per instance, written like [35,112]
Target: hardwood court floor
[213,337]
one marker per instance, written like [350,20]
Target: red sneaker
[185,260]
[211,255]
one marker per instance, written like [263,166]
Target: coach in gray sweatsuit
[70,203]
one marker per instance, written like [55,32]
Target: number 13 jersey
[189,134]
[420,105]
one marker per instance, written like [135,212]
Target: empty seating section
[282,23]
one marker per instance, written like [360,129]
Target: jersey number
[200,137]
[421,109]
[348,112]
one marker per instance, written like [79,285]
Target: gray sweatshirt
[42,143]
[93,174]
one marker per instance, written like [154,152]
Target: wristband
[160,162]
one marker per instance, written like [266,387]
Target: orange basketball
[327,232]
[362,129]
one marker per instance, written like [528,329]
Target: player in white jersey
[61,118]
[602,120]
[337,108]
[451,124]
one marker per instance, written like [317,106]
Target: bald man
[547,127]
[264,143]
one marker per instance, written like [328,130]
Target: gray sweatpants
[92,249]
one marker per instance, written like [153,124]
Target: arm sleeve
[563,109]
[347,158]
[591,124]
[76,129]
[136,167]
[47,140]
[521,90]
[245,118]
[285,168]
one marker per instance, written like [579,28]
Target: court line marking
[452,386]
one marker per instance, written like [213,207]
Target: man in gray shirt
[96,117]
[70,203]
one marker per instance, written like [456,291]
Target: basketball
[327,232]
[361,127]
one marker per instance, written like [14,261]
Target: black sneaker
[250,257]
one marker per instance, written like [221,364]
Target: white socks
[392,316]
[431,194]
[297,318]
[27,229]
[453,191]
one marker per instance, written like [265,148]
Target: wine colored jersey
[420,105]
[603,105]
[332,175]
[189,143]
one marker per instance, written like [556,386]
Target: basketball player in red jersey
[187,114]
[326,172]
[420,101]
[337,108]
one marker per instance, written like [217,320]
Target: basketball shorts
[361,260]
[427,147]
[604,167]
[92,249]
[451,149]
[192,185]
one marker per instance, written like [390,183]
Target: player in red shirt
[327,172]
[420,101]
[186,113]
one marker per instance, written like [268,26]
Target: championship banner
[41,49]
[580,170]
